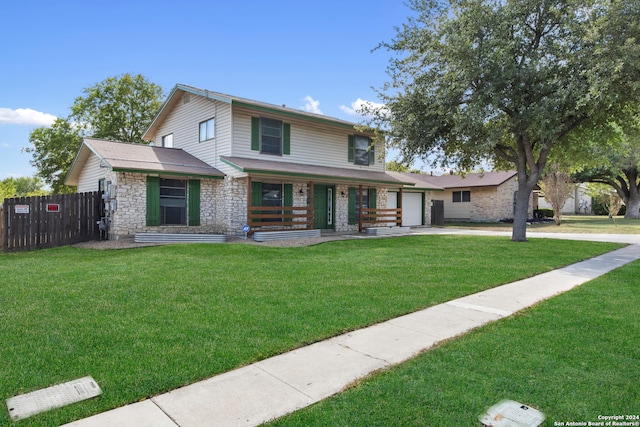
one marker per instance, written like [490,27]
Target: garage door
[412,209]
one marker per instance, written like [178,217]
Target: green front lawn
[570,224]
[148,320]
[575,357]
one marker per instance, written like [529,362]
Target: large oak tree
[613,158]
[507,80]
[118,108]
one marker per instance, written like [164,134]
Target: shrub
[543,213]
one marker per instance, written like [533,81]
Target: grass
[148,320]
[574,357]
[570,224]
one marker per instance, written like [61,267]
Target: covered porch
[285,197]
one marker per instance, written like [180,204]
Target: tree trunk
[633,205]
[521,214]
[633,201]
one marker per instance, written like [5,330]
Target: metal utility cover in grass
[26,405]
[509,413]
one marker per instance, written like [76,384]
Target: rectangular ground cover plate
[26,405]
[509,413]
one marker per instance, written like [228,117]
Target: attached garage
[412,207]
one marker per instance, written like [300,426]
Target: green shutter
[352,206]
[256,196]
[194,202]
[373,198]
[255,133]
[287,198]
[286,138]
[153,200]
[372,153]
[256,193]
[350,148]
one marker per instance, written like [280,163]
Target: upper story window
[270,136]
[461,196]
[167,141]
[361,151]
[207,129]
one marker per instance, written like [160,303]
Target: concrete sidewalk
[274,387]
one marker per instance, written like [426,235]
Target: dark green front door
[322,206]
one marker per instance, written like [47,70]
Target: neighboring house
[488,196]
[578,203]
[215,158]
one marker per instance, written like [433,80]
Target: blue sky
[313,55]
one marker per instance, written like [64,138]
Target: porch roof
[129,157]
[325,173]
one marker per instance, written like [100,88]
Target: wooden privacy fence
[437,212]
[48,221]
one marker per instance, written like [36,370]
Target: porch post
[249,197]
[360,210]
[399,204]
[311,209]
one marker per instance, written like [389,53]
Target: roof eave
[170,173]
[75,175]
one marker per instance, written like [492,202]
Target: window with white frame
[207,129]
[167,141]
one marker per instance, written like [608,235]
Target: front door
[322,206]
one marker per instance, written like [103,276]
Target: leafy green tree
[507,81]
[21,187]
[396,166]
[7,189]
[118,108]
[614,159]
[53,150]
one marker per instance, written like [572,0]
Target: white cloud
[358,105]
[4,145]
[25,116]
[311,105]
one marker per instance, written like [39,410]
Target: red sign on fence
[53,207]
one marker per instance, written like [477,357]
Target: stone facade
[126,210]
[223,206]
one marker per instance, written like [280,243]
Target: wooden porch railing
[280,218]
[372,217]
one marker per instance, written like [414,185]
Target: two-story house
[214,159]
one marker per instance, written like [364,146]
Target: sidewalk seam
[152,399]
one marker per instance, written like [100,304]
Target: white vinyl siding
[90,175]
[312,143]
[184,122]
